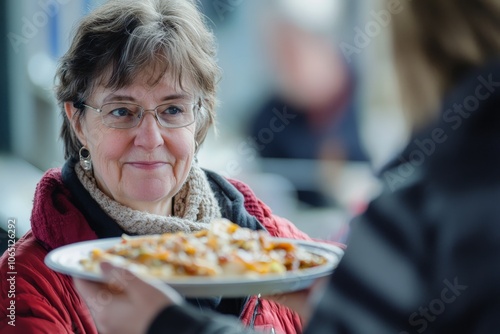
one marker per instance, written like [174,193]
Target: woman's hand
[126,303]
[304,301]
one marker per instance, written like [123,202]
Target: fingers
[118,279]
[293,300]
[87,288]
[124,296]
[173,296]
[285,298]
[317,289]
[320,283]
[97,296]
[301,301]
[123,279]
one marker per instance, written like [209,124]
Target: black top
[424,256]
[281,130]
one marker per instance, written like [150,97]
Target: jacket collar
[95,216]
[65,213]
[55,220]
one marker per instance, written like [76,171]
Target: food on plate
[225,249]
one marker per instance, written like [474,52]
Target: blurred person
[311,110]
[137,92]
[423,258]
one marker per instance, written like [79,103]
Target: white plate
[66,260]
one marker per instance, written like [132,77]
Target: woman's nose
[149,132]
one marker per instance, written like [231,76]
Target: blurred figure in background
[312,111]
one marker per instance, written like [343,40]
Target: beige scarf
[194,206]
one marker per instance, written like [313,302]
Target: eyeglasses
[125,115]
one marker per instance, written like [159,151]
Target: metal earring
[85,160]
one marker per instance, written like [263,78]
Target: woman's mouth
[147,165]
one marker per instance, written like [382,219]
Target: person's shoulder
[224,184]
[24,261]
[24,254]
[232,186]
[275,225]
[51,178]
[50,183]
[252,203]
[42,297]
[242,187]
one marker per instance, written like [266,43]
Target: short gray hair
[118,40]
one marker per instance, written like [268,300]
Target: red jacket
[46,302]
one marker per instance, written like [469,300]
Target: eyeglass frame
[83,105]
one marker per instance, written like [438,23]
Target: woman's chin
[143,197]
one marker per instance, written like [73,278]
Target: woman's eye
[120,112]
[171,110]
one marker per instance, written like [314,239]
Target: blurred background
[308,103]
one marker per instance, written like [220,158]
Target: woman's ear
[71,113]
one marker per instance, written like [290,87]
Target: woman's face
[145,166]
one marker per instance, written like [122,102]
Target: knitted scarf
[194,206]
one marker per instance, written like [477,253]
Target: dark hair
[118,40]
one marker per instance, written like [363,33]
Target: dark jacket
[64,213]
[424,256]
[283,131]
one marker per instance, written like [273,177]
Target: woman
[423,258]
[137,92]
